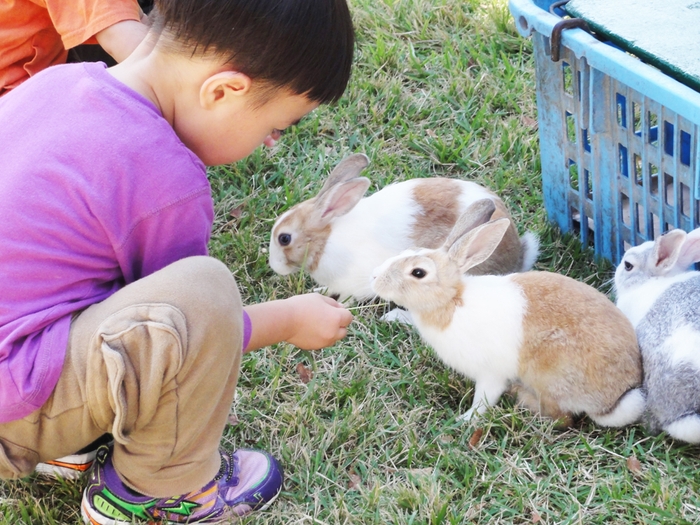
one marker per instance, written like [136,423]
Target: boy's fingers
[331,301]
[345,318]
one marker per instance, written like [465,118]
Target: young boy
[36,34]
[112,319]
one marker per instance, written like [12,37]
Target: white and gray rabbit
[563,346]
[339,237]
[662,300]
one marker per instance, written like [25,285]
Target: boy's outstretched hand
[319,321]
[308,321]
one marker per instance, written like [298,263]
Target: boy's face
[230,132]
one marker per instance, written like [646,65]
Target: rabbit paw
[468,415]
[397,315]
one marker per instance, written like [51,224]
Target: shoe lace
[230,469]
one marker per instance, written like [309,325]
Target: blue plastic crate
[619,140]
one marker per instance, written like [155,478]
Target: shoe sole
[89,518]
[70,467]
[269,503]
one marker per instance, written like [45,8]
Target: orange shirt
[36,34]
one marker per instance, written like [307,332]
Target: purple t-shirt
[96,191]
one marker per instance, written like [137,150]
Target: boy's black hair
[303,45]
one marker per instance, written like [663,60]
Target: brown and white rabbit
[339,237]
[662,300]
[561,344]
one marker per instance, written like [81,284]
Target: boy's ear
[222,85]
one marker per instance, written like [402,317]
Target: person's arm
[309,321]
[120,39]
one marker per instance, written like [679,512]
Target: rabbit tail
[628,409]
[530,244]
[685,428]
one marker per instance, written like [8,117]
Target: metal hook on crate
[558,5]
[555,39]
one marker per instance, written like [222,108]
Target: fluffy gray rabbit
[339,236]
[662,300]
[562,345]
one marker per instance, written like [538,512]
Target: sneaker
[248,480]
[75,465]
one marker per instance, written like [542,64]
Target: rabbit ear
[338,200]
[348,168]
[477,245]
[477,213]
[690,251]
[667,249]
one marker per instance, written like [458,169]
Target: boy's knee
[205,265]
[208,282]
[207,269]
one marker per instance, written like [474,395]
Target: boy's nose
[272,138]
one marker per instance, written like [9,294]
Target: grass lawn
[439,88]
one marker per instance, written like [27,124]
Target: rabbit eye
[628,266]
[418,273]
[284,239]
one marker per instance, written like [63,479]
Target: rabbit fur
[339,237]
[562,345]
[662,300]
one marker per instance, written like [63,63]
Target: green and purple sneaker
[248,480]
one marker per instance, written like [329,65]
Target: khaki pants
[155,365]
